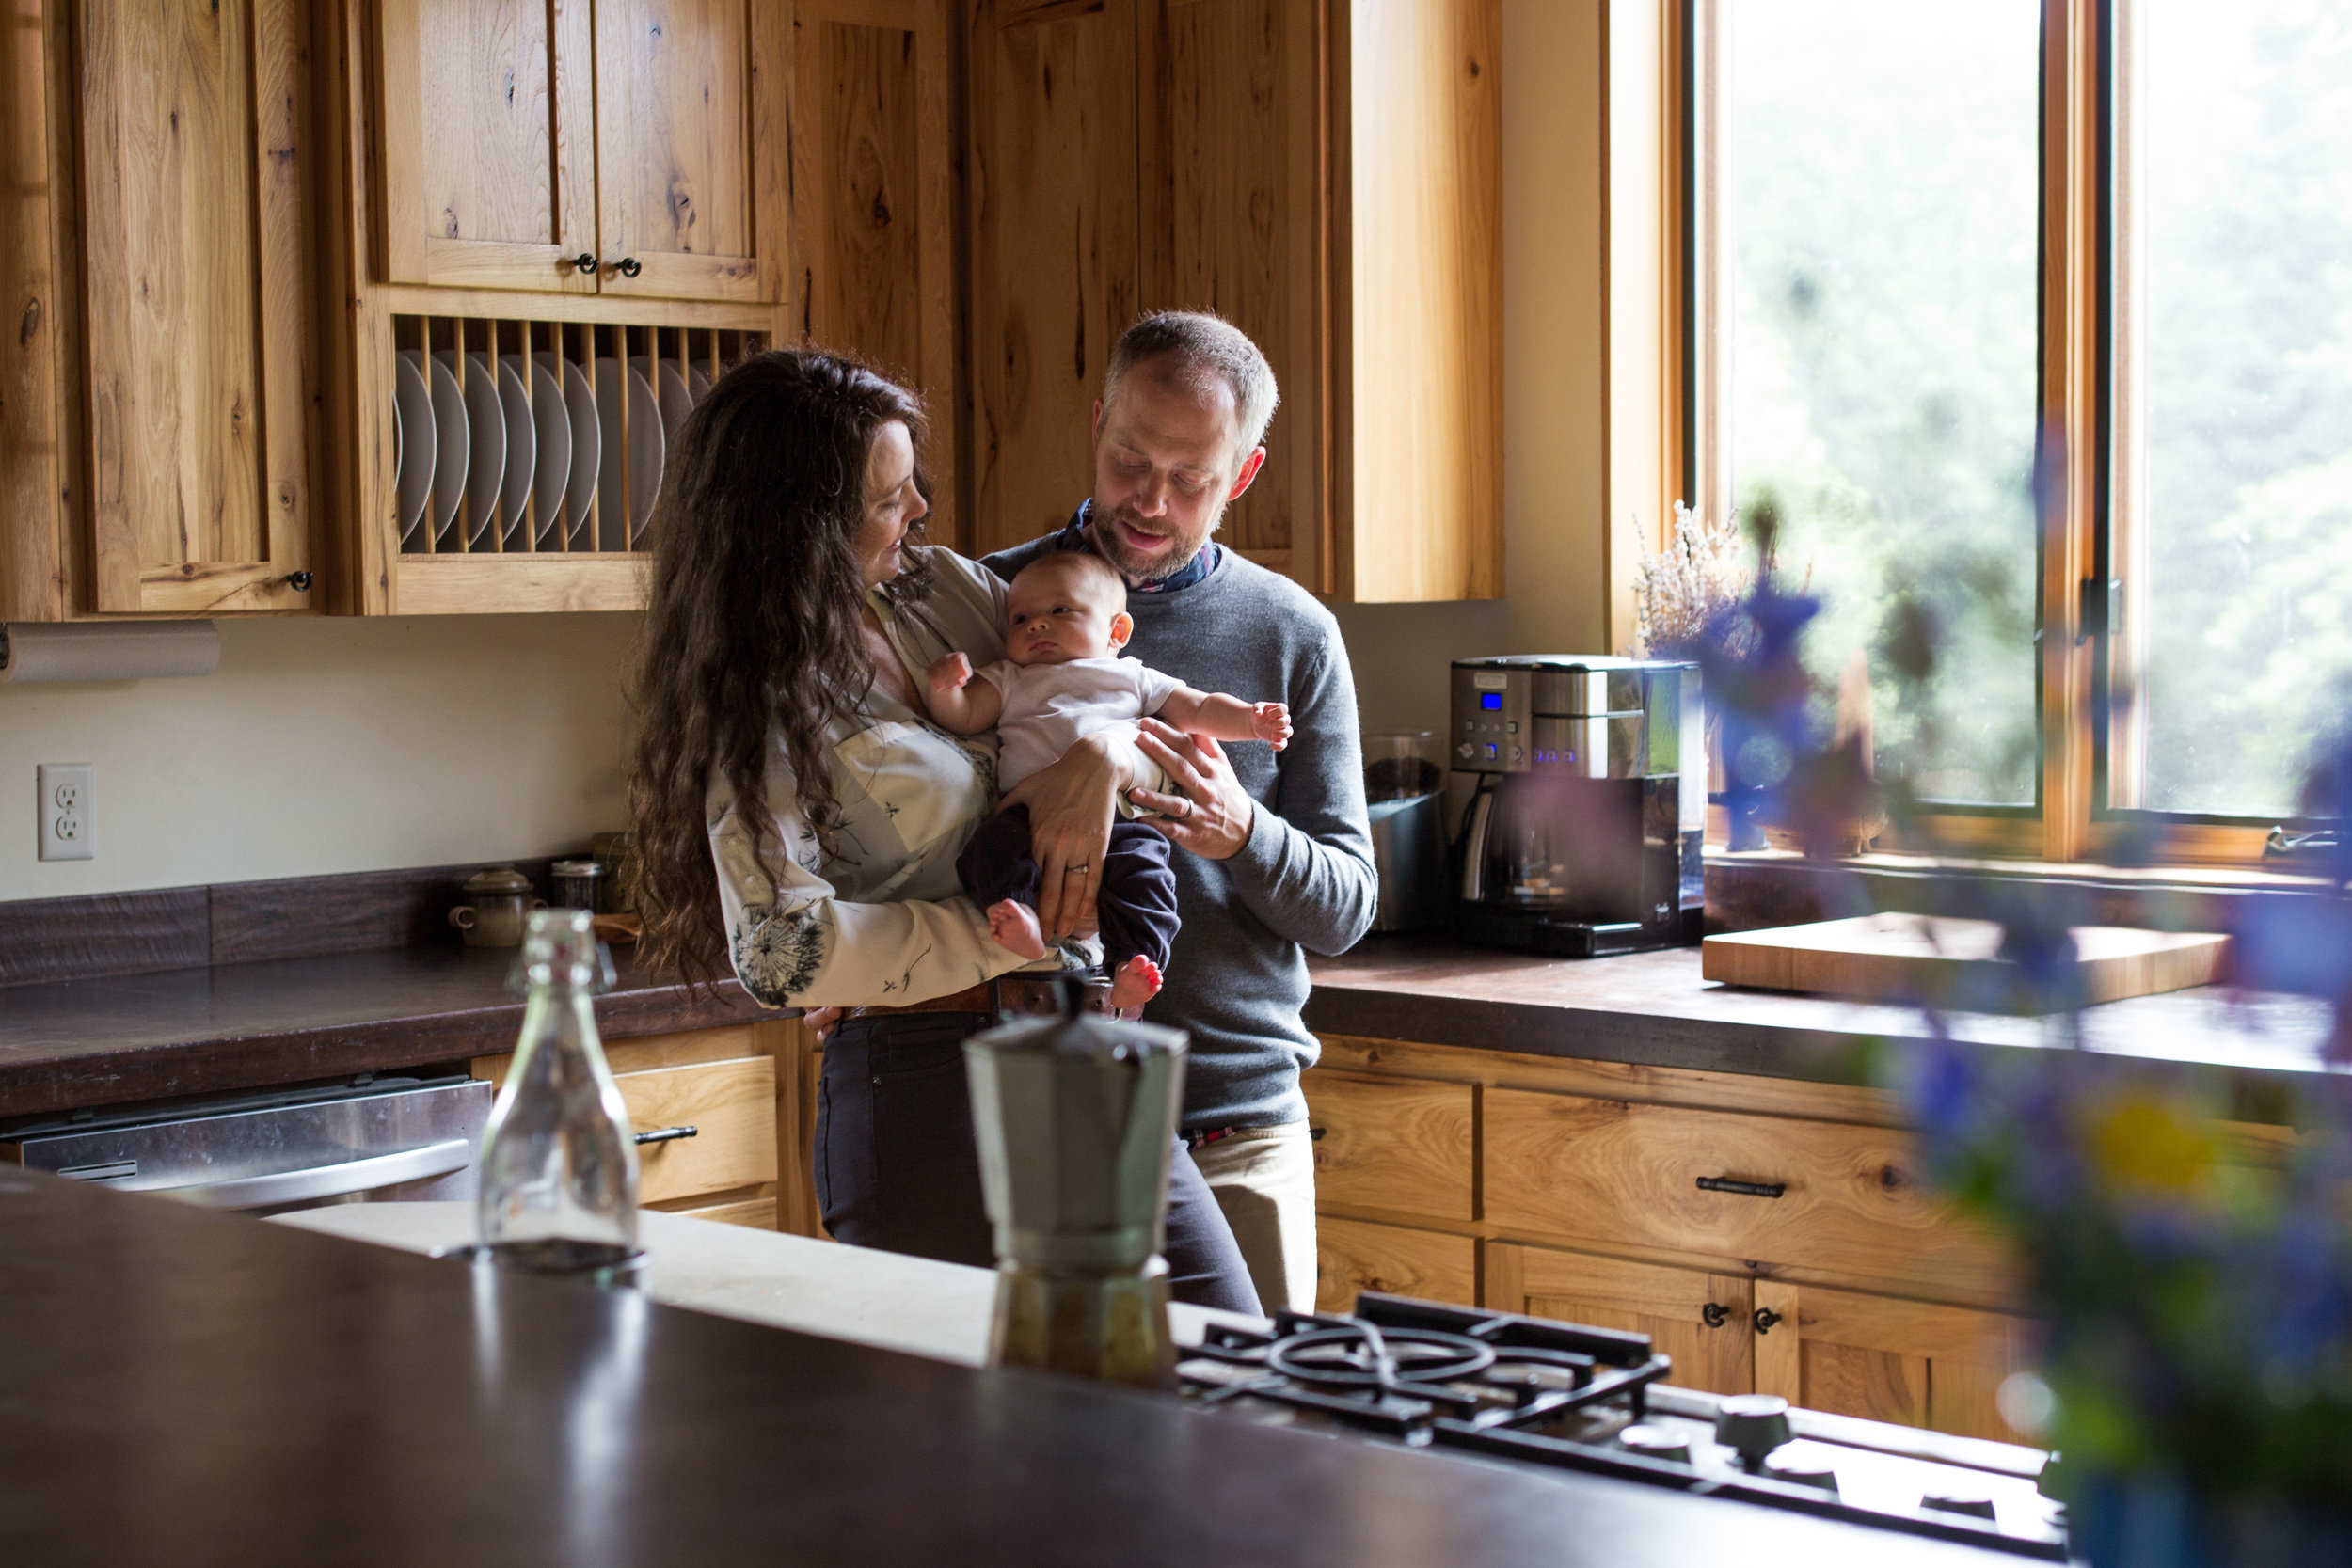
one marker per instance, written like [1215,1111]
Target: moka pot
[1075,1116]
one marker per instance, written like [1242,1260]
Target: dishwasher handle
[318,1181]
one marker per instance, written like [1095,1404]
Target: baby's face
[1052,617]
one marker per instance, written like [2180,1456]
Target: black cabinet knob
[630,267]
[1714,1314]
[299,581]
[1764,1318]
[584,261]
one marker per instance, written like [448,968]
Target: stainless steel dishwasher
[371,1138]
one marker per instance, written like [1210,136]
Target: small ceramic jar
[499,905]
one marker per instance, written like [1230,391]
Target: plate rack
[474,377]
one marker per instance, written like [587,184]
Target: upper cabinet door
[1229,145]
[487,130]
[872,193]
[1052,188]
[194,121]
[690,147]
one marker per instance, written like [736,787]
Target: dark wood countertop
[66,1044]
[202,1386]
[1654,1009]
[105,1040]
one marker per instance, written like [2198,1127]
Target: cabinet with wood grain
[1324,173]
[1767,1234]
[159,359]
[628,147]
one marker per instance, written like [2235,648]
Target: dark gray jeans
[896,1167]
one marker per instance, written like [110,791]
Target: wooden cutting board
[1909,957]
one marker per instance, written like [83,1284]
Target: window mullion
[2070,391]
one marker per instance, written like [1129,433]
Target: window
[1934,242]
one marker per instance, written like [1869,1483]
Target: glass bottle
[559,1163]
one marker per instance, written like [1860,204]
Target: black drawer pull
[668,1134]
[1714,1314]
[1764,1317]
[1745,1189]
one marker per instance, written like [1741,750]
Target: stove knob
[1752,1424]
[1801,1470]
[1656,1442]
[1960,1499]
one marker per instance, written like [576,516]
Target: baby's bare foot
[1014,925]
[1137,982]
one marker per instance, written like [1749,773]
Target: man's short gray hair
[1205,346]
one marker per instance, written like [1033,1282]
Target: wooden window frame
[2092,442]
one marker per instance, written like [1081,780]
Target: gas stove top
[1419,1374]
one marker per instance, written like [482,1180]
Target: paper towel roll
[107,650]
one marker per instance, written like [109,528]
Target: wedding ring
[1188,810]
[1075,870]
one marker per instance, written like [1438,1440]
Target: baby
[1061,680]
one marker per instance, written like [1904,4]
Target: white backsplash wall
[330,745]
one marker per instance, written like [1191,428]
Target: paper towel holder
[106,650]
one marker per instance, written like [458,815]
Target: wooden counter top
[199,1387]
[65,1044]
[1653,1010]
[105,1040]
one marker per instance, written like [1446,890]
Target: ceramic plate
[522,445]
[697,381]
[614,524]
[554,466]
[412,481]
[676,399]
[486,424]
[450,438]
[587,449]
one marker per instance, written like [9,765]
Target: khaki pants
[1264,1180]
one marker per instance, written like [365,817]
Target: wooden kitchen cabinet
[642,136]
[156,254]
[1352,1255]
[1324,173]
[1573,1187]
[1704,1321]
[1919,1363]
[723,1083]
[871,118]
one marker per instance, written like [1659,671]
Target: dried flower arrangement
[1705,568]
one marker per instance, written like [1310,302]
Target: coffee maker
[1587,778]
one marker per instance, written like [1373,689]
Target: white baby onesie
[1049,708]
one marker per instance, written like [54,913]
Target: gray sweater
[1304,881]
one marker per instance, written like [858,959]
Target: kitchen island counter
[208,1387]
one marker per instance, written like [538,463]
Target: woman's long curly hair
[752,623]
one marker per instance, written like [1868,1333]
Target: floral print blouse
[880,920]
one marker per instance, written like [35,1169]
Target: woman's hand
[1071,804]
[1212,814]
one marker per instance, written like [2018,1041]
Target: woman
[791,615]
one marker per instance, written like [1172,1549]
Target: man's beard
[1112,545]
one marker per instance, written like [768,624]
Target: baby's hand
[950,673]
[1271,721]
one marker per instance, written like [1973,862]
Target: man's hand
[1070,806]
[821,1020]
[1212,814]
[951,672]
[1271,721]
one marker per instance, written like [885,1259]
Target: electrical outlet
[65,812]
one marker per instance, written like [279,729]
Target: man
[1279,858]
